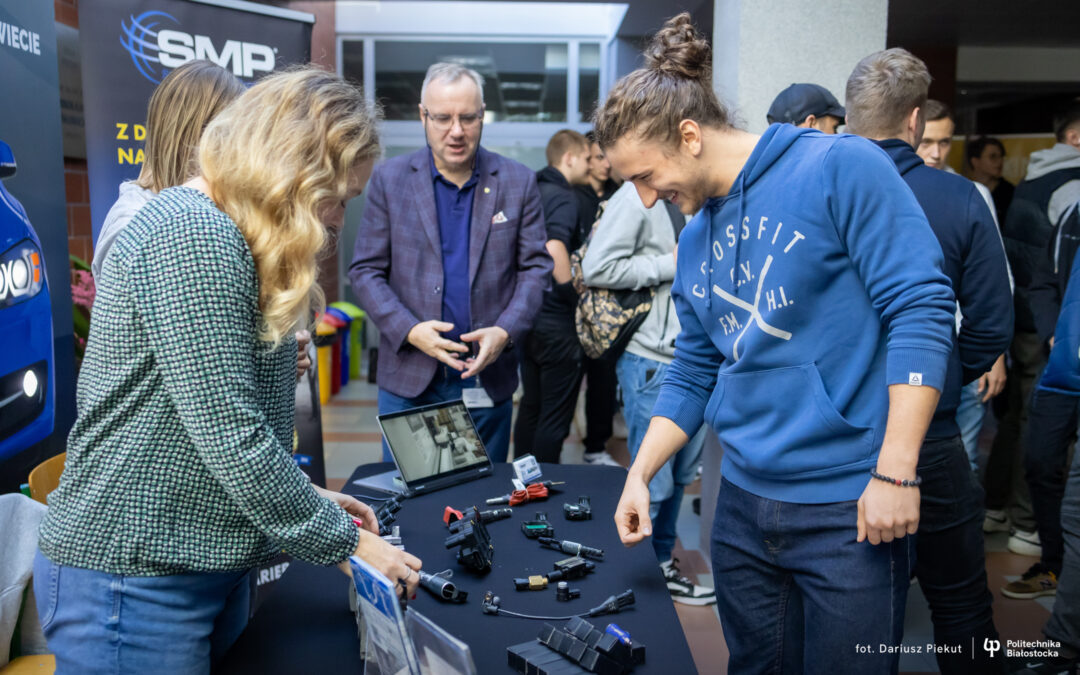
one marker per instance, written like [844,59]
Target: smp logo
[156,49]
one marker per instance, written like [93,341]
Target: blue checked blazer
[397,270]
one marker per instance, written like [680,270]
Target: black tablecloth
[306,625]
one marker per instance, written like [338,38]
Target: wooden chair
[36,664]
[46,476]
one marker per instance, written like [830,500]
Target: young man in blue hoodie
[885,95]
[816,332]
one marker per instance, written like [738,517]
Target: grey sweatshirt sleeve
[627,249]
[132,198]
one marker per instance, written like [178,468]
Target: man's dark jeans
[950,561]
[1064,623]
[1051,427]
[773,560]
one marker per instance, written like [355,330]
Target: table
[306,625]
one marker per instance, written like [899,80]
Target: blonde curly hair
[275,160]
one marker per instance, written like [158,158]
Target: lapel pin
[487,190]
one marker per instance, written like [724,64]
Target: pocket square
[499,217]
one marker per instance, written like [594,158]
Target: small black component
[441,587]
[476,551]
[572,547]
[571,568]
[540,527]
[491,515]
[385,513]
[614,604]
[580,511]
[564,593]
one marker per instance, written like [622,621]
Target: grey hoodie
[132,198]
[633,248]
[1042,162]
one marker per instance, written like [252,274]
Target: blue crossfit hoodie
[1062,374]
[803,293]
[974,261]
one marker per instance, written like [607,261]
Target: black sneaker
[1053,665]
[682,589]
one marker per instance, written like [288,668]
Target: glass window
[522,82]
[352,60]
[588,79]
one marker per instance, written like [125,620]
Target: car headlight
[22,273]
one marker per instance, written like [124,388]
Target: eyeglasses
[444,122]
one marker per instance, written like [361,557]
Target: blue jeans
[96,622]
[493,424]
[795,591]
[969,417]
[951,561]
[640,379]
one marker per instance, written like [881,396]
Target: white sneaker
[682,589]
[1025,543]
[602,458]
[996,520]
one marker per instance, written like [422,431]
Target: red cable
[532,492]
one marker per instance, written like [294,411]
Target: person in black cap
[806,105]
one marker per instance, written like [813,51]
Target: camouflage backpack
[605,318]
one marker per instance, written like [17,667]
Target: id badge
[476,397]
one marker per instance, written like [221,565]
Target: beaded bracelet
[896,481]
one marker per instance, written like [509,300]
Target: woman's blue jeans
[96,622]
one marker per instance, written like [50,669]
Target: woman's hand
[354,507]
[397,565]
[303,357]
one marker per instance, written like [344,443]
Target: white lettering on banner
[20,38]
[244,58]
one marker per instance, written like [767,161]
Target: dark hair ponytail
[675,84]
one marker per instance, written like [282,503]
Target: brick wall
[76,187]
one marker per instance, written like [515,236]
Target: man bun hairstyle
[674,85]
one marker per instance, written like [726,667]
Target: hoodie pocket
[781,422]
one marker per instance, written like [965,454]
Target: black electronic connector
[476,551]
[580,511]
[614,604]
[540,527]
[572,547]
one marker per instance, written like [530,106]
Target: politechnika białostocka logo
[156,47]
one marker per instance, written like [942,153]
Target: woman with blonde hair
[179,477]
[180,108]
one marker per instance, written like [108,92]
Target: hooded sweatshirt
[633,248]
[1052,185]
[974,261]
[806,291]
[132,198]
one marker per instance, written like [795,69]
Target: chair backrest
[46,476]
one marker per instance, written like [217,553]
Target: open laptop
[434,446]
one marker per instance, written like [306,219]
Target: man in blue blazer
[450,263]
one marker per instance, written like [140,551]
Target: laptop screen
[434,441]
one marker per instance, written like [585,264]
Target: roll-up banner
[37,378]
[129,46]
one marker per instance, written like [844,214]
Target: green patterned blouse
[180,459]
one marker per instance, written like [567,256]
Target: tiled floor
[351,437]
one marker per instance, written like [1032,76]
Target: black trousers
[552,366]
[1051,428]
[950,559]
[600,403]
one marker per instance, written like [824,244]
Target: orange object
[46,476]
[533,492]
